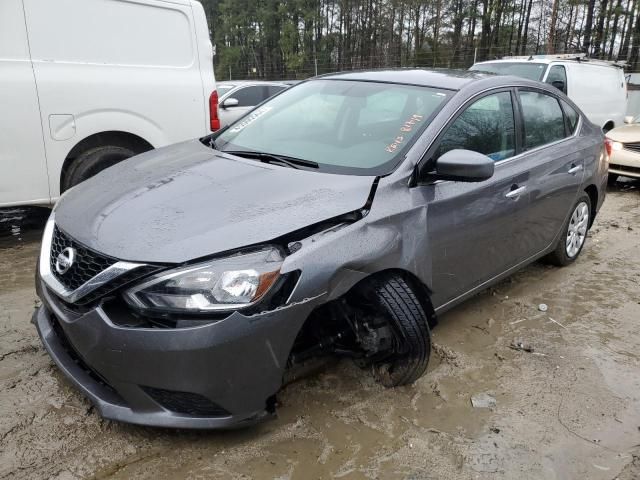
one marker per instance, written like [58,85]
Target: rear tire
[566,252]
[93,161]
[396,301]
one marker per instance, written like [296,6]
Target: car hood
[188,201]
[625,133]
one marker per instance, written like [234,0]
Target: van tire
[395,300]
[93,161]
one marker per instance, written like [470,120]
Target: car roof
[438,78]
[591,62]
[237,83]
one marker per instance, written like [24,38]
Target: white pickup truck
[85,84]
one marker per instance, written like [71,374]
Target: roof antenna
[530,57]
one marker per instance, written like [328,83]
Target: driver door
[476,230]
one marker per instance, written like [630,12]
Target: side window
[273,89]
[571,116]
[249,96]
[486,126]
[542,117]
[558,78]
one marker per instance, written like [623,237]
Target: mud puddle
[570,408]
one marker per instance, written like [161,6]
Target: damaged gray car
[184,286]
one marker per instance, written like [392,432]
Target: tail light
[214,120]
[608,146]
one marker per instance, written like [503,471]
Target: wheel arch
[112,137]
[592,192]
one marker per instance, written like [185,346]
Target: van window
[273,89]
[111,32]
[558,78]
[486,126]
[543,119]
[571,115]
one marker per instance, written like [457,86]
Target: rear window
[345,126]
[530,70]
[571,115]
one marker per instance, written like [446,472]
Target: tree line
[277,39]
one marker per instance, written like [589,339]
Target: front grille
[634,147]
[86,266]
[186,402]
[77,359]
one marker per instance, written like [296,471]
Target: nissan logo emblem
[65,260]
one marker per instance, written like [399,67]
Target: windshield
[352,127]
[530,70]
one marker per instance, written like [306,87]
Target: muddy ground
[569,409]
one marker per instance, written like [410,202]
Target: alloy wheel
[577,231]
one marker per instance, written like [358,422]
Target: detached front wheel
[396,328]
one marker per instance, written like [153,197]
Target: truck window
[110,32]
[558,78]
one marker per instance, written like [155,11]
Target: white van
[87,83]
[597,87]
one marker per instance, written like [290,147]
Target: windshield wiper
[273,158]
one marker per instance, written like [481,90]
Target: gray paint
[185,202]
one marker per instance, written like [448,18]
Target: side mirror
[230,102]
[559,84]
[628,119]
[464,166]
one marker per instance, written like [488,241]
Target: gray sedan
[184,286]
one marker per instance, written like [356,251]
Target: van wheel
[398,327]
[574,234]
[94,160]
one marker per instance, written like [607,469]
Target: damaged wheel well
[328,330]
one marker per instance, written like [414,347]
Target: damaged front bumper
[216,375]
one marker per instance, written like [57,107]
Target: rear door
[22,156]
[555,160]
[477,230]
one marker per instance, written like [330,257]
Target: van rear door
[22,158]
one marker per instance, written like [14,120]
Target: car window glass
[486,126]
[543,120]
[249,96]
[346,126]
[558,78]
[273,89]
[572,117]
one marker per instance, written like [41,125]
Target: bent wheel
[393,303]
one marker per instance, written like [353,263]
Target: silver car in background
[238,97]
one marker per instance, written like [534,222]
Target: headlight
[229,283]
[617,145]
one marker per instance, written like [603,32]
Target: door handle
[516,192]
[574,169]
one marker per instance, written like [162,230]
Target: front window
[352,127]
[486,126]
[530,70]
